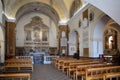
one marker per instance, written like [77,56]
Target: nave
[35,32]
[47,72]
[63,68]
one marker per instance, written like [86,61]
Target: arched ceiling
[38,7]
[59,9]
[11,7]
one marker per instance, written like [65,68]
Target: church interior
[59,40]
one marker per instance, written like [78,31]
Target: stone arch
[2,43]
[96,37]
[112,29]
[38,7]
[73,42]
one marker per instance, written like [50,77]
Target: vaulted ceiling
[58,10]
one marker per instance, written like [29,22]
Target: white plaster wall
[2,49]
[96,29]
[53,35]
[72,43]
[98,39]
[26,19]
[110,7]
[82,31]
[0,11]
[74,26]
[90,36]
[85,37]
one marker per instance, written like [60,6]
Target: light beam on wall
[11,19]
[63,22]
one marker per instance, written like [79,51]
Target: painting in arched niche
[36,31]
[45,35]
[28,35]
[36,36]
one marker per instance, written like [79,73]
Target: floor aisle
[47,72]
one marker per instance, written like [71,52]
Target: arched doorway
[73,43]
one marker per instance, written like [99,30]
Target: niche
[110,39]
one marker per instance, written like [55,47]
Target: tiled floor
[47,72]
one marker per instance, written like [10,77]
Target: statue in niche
[28,35]
[111,39]
[36,34]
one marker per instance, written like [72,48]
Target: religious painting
[44,36]
[36,34]
[28,35]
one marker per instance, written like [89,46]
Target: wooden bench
[19,60]
[18,65]
[66,64]
[115,75]
[81,69]
[56,60]
[60,62]
[98,73]
[13,76]
[72,66]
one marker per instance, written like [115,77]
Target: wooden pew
[81,69]
[60,62]
[72,66]
[115,75]
[98,73]
[19,65]
[56,60]
[66,64]
[15,75]
[19,60]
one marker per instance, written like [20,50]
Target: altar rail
[48,59]
[26,57]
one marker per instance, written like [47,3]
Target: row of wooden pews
[18,65]
[15,76]
[87,68]
[17,69]
[103,73]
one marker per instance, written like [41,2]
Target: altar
[36,53]
[42,57]
[37,57]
